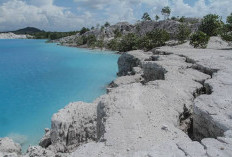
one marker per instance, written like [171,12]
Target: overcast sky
[67,15]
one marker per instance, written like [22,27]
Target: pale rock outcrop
[37,151]
[72,126]
[212,110]
[137,119]
[9,148]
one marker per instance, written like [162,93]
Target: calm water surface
[37,79]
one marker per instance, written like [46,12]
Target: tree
[199,40]
[166,11]
[183,33]
[226,32]
[84,30]
[182,19]
[229,19]
[157,17]
[173,18]
[107,24]
[92,28]
[146,17]
[211,24]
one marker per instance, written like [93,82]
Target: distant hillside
[28,30]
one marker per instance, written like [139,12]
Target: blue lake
[37,79]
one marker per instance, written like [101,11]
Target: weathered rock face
[140,29]
[9,148]
[170,26]
[72,126]
[108,32]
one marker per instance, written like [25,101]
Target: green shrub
[199,40]
[114,44]
[100,44]
[129,42]
[91,40]
[154,39]
[117,33]
[183,33]
[80,41]
[182,19]
[211,24]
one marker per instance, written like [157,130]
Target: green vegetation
[211,24]
[183,33]
[84,30]
[173,18]
[131,41]
[114,44]
[157,17]
[146,17]
[166,11]
[52,35]
[107,24]
[154,39]
[226,32]
[199,40]
[100,44]
[182,19]
[117,33]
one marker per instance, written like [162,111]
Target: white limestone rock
[9,147]
[37,151]
[72,126]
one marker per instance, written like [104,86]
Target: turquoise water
[37,79]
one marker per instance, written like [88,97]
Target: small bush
[117,33]
[129,42]
[199,40]
[91,40]
[183,33]
[154,39]
[100,44]
[114,44]
[211,24]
